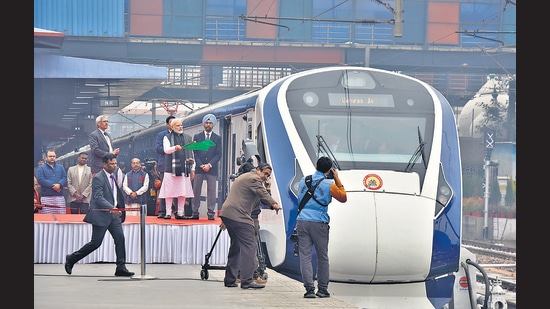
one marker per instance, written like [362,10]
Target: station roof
[48,39]
[69,92]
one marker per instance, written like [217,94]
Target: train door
[237,128]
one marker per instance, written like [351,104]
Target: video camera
[246,166]
[150,165]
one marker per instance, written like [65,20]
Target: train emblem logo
[372,182]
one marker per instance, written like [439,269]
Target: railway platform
[163,286]
[172,275]
[171,278]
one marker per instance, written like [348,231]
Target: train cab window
[362,138]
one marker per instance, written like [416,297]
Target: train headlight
[295,184]
[311,98]
[444,192]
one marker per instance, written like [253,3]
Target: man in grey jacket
[100,144]
[246,192]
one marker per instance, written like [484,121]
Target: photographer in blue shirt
[312,225]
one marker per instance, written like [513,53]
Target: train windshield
[363,138]
[363,119]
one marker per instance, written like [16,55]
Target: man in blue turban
[210,117]
[206,168]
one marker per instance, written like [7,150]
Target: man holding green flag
[179,168]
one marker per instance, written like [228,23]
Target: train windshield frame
[363,138]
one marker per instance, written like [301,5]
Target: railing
[226,28]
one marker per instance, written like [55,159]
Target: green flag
[204,145]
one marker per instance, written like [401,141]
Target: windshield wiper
[324,148]
[418,152]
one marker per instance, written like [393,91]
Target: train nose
[380,237]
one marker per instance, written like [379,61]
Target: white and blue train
[393,138]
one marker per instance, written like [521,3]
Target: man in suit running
[206,167]
[100,144]
[105,215]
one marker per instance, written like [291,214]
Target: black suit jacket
[159,149]
[212,155]
[102,200]
[99,148]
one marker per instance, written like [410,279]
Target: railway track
[494,256]
[500,249]
[499,263]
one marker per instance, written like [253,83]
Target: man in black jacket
[206,167]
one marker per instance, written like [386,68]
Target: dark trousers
[210,194]
[98,233]
[242,251]
[79,208]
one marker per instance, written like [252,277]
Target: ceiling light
[94,85]
[86,97]
[80,103]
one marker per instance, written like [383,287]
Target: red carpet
[70,218]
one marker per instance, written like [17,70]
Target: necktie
[207,136]
[113,188]
[112,183]
[108,141]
